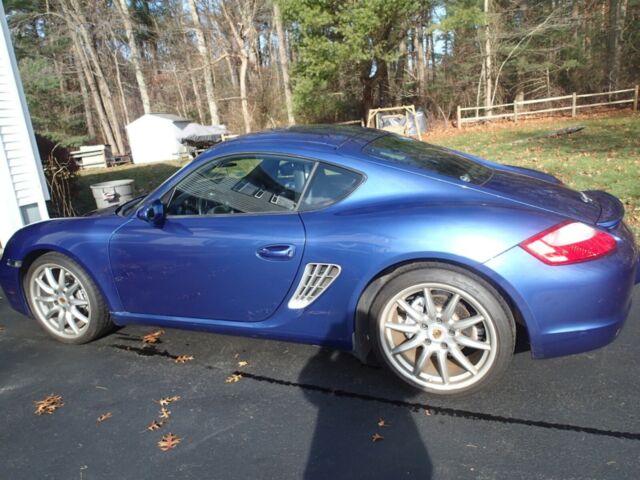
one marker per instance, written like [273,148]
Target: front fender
[85,240]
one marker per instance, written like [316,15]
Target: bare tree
[206,62]
[136,59]
[241,31]
[284,62]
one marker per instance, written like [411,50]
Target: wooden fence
[571,102]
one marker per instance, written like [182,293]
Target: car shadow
[345,441]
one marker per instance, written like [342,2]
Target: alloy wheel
[438,337]
[60,301]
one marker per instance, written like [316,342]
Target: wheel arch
[40,250]
[362,346]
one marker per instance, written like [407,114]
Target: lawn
[147,177]
[605,155]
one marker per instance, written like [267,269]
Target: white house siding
[23,190]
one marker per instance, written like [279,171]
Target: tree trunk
[183,103]
[244,63]
[488,52]
[206,55]
[617,13]
[368,84]
[86,101]
[105,126]
[420,68]
[400,70]
[135,56]
[196,90]
[244,46]
[123,99]
[77,15]
[284,62]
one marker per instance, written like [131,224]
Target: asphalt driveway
[303,412]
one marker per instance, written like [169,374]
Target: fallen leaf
[48,405]
[382,423]
[1,328]
[169,441]
[427,412]
[153,337]
[104,417]
[164,413]
[376,437]
[155,425]
[184,358]
[167,400]
[233,378]
[242,363]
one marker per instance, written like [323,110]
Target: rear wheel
[65,301]
[443,330]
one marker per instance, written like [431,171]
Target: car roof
[323,137]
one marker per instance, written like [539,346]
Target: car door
[230,246]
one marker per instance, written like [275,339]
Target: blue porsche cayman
[356,239]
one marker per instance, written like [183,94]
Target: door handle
[277,252]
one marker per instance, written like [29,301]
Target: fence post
[573,105]
[459,117]
[635,99]
[515,111]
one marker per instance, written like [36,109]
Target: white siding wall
[22,181]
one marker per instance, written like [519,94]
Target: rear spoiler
[611,209]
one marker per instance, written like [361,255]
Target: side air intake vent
[316,279]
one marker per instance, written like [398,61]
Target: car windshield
[126,208]
[413,153]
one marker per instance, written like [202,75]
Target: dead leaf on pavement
[104,417]
[164,413]
[427,412]
[167,400]
[48,405]
[233,378]
[153,337]
[376,437]
[242,363]
[169,441]
[1,328]
[155,425]
[382,423]
[184,358]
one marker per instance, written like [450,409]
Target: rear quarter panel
[394,218]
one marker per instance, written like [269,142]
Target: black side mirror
[154,213]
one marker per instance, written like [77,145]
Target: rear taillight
[569,242]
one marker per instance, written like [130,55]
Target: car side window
[329,185]
[252,184]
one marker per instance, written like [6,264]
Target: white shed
[154,137]
[23,187]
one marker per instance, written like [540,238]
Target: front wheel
[443,330]
[64,300]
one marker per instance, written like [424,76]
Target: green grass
[147,177]
[603,156]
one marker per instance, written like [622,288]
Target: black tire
[478,299]
[99,321]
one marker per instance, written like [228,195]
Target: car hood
[101,212]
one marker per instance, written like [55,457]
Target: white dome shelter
[155,137]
